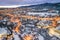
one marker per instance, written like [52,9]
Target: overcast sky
[20,2]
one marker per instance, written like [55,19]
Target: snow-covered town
[29,24]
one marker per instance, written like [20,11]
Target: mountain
[55,6]
[37,6]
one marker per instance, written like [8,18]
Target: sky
[22,2]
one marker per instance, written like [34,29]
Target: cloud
[20,2]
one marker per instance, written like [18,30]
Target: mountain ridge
[45,5]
